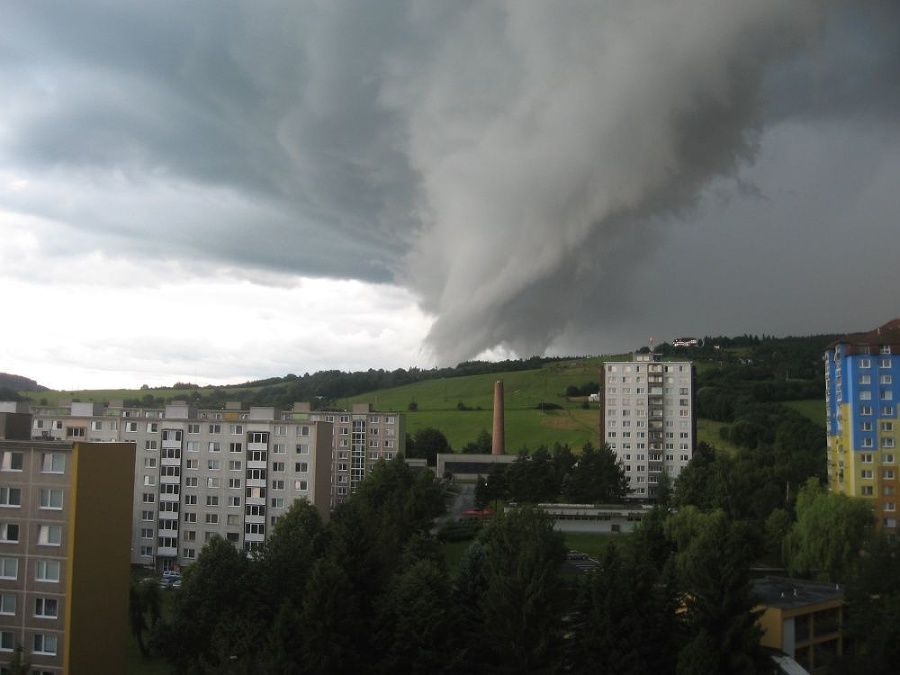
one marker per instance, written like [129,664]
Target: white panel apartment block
[648,418]
[232,472]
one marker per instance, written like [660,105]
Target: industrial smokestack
[498,440]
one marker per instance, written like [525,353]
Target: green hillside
[459,401]
[438,402]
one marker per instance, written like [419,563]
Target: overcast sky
[222,191]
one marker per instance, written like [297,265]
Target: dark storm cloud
[527,168]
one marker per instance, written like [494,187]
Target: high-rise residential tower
[861,395]
[647,418]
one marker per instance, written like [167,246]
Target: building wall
[862,378]
[98,553]
[648,418]
[69,507]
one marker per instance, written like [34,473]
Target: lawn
[708,432]
[594,544]
[813,409]
[438,402]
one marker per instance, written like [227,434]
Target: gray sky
[219,191]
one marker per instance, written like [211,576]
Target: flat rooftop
[787,593]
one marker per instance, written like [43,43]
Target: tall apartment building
[65,533]
[861,397]
[229,472]
[647,418]
[361,437]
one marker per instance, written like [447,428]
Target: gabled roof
[888,334]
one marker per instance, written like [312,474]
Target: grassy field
[708,432]
[813,409]
[527,424]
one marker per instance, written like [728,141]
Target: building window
[236,447]
[234,483]
[278,467]
[7,603]
[867,443]
[301,467]
[234,501]
[7,641]
[9,568]
[867,491]
[148,497]
[51,498]
[213,464]
[189,553]
[190,500]
[215,428]
[212,518]
[147,516]
[146,551]
[278,485]
[10,496]
[866,458]
[45,644]
[130,427]
[865,410]
[888,474]
[212,500]
[9,533]
[147,533]
[236,429]
[47,570]
[54,462]
[234,465]
[278,502]
[301,485]
[884,363]
[303,430]
[47,608]
[190,517]
[50,535]
[12,461]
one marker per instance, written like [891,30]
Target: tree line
[370,592]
